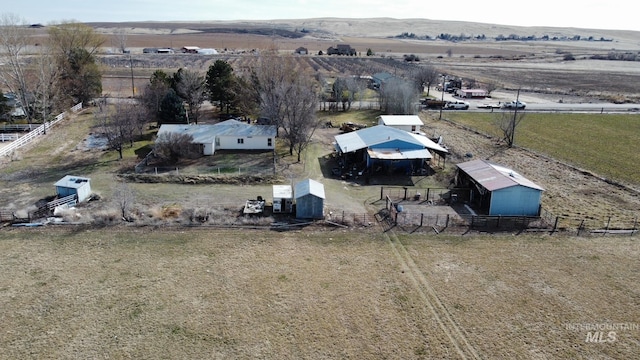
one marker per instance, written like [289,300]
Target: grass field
[605,144]
[210,293]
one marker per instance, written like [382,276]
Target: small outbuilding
[282,199]
[74,185]
[310,197]
[499,191]
[410,123]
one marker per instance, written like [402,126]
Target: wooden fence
[42,129]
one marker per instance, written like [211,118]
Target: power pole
[133,85]
[513,121]
[442,100]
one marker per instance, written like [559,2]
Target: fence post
[580,227]
[405,193]
[421,219]
[607,229]
[381,191]
[555,225]
[343,216]
[635,224]
[447,223]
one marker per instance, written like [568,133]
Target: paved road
[542,105]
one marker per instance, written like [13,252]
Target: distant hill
[377,27]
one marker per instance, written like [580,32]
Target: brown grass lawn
[210,293]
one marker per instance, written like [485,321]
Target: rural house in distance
[341,49]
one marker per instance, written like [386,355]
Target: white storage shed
[282,199]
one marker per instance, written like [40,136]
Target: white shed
[74,185]
[282,198]
[309,199]
[410,123]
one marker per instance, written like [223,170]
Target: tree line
[61,72]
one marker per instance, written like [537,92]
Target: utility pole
[133,85]
[513,121]
[442,100]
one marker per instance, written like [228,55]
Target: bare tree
[507,122]
[47,75]
[272,79]
[171,147]
[191,87]
[124,196]
[120,40]
[398,97]
[300,122]
[14,40]
[117,126]
[425,76]
[491,87]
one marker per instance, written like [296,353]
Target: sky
[590,14]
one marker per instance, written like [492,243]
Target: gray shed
[309,196]
[74,185]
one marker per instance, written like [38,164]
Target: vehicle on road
[488,106]
[457,105]
[514,105]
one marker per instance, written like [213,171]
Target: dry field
[321,294]
[537,66]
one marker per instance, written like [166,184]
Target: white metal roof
[206,134]
[73,182]
[282,192]
[309,186]
[397,120]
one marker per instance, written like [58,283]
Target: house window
[269,142]
[413,128]
[240,141]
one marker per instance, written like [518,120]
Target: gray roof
[309,186]
[495,177]
[207,133]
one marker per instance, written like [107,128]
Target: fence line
[42,129]
[8,137]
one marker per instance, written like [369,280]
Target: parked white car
[457,105]
[514,105]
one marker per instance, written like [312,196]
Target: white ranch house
[226,135]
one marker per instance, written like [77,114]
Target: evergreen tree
[172,109]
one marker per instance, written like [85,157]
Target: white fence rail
[8,137]
[23,140]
